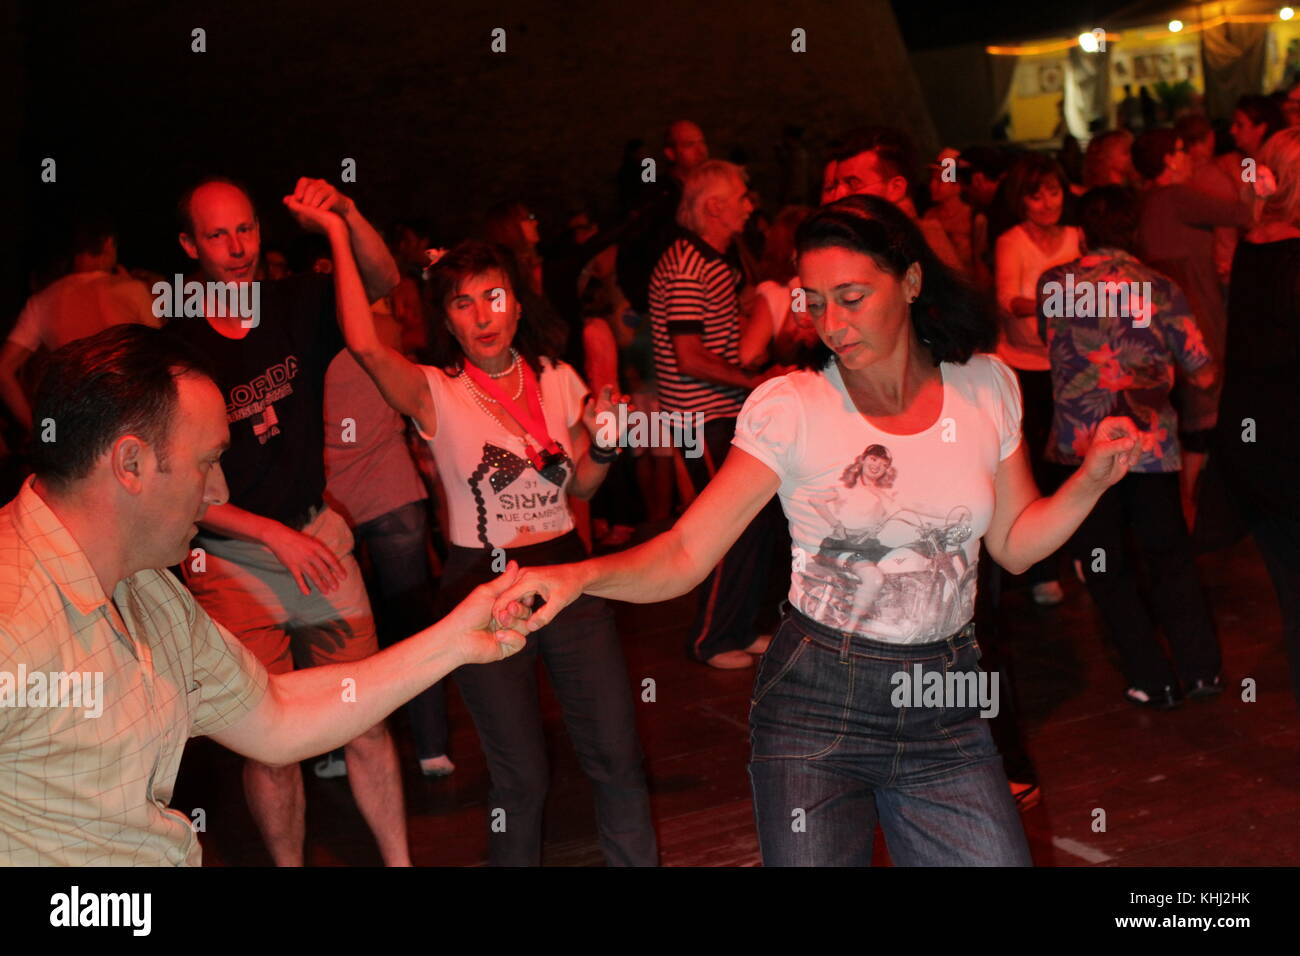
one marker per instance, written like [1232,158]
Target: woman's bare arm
[664,567]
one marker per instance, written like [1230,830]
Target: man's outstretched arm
[312,711]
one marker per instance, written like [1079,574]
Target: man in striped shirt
[695,322]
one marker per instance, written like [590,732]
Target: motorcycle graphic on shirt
[887,568]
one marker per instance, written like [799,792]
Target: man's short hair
[1150,150]
[893,148]
[121,381]
[1109,217]
[184,218]
[704,181]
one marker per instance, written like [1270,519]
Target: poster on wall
[1039,77]
[1155,65]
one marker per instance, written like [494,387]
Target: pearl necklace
[514,362]
[479,397]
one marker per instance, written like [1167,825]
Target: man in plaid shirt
[133,430]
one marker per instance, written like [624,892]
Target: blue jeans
[831,755]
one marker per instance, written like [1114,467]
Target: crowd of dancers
[915,388]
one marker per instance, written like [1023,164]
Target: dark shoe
[1166,698]
[1206,688]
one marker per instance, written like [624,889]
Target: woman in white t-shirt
[515,435]
[871,710]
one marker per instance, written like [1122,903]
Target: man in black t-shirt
[274,565]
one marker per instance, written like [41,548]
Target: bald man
[274,564]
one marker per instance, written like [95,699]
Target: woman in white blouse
[514,433]
[1033,195]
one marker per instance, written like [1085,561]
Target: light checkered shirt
[79,790]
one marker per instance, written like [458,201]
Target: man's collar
[706,250]
[57,551]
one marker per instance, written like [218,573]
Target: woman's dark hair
[950,318]
[540,333]
[1025,177]
[121,381]
[1109,217]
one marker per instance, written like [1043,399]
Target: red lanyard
[532,421]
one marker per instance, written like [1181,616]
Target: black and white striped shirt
[693,291]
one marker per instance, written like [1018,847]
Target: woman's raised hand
[601,418]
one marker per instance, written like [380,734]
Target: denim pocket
[786,649]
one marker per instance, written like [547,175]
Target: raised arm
[378,270]
[400,381]
[663,567]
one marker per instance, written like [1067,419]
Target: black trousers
[584,660]
[1147,505]
[1007,728]
[734,592]
[1278,540]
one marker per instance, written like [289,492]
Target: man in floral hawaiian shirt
[1118,334]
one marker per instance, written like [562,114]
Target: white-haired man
[695,323]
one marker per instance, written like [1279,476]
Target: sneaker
[1211,687]
[437,766]
[730,661]
[330,766]
[1166,698]
[1048,594]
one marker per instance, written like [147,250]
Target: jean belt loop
[846,642]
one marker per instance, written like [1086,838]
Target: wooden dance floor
[1214,783]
